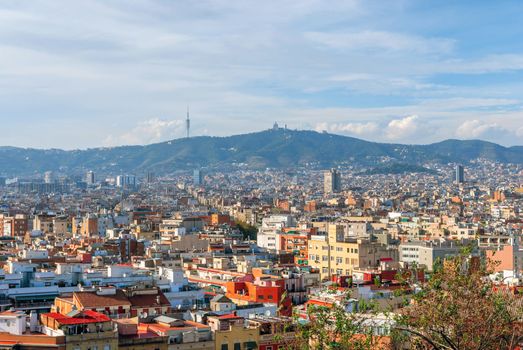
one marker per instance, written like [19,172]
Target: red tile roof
[149,300]
[229,317]
[88,316]
[89,300]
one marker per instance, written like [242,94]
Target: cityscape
[223,175]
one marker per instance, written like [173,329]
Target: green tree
[248,231]
[459,308]
[333,328]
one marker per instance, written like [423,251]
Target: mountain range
[275,148]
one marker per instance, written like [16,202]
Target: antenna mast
[187,122]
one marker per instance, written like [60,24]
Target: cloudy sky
[77,74]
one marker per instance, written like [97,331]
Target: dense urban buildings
[173,262]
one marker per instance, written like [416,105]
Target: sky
[81,74]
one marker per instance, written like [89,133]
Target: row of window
[339,260]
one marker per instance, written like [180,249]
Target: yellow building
[338,254]
[60,225]
[230,333]
[89,226]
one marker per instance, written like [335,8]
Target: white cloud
[149,131]
[381,40]
[482,65]
[479,129]
[399,129]
[357,129]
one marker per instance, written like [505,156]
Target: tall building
[48,177]
[150,177]
[331,181]
[197,177]
[89,177]
[119,181]
[125,181]
[460,174]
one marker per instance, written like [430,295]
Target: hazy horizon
[247,132]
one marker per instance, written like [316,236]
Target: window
[268,348]
[225,347]
[270,297]
[237,346]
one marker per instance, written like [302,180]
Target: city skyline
[109,73]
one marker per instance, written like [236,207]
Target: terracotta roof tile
[89,300]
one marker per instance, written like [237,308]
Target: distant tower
[197,177]
[187,122]
[89,177]
[331,181]
[460,174]
[48,177]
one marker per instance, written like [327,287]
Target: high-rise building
[331,181]
[48,177]
[197,177]
[119,181]
[125,181]
[89,177]
[150,177]
[460,174]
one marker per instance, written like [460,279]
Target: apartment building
[337,253]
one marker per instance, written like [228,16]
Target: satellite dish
[267,313]
[144,315]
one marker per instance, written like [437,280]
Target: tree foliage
[333,328]
[248,231]
[459,308]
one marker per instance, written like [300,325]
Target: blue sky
[77,74]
